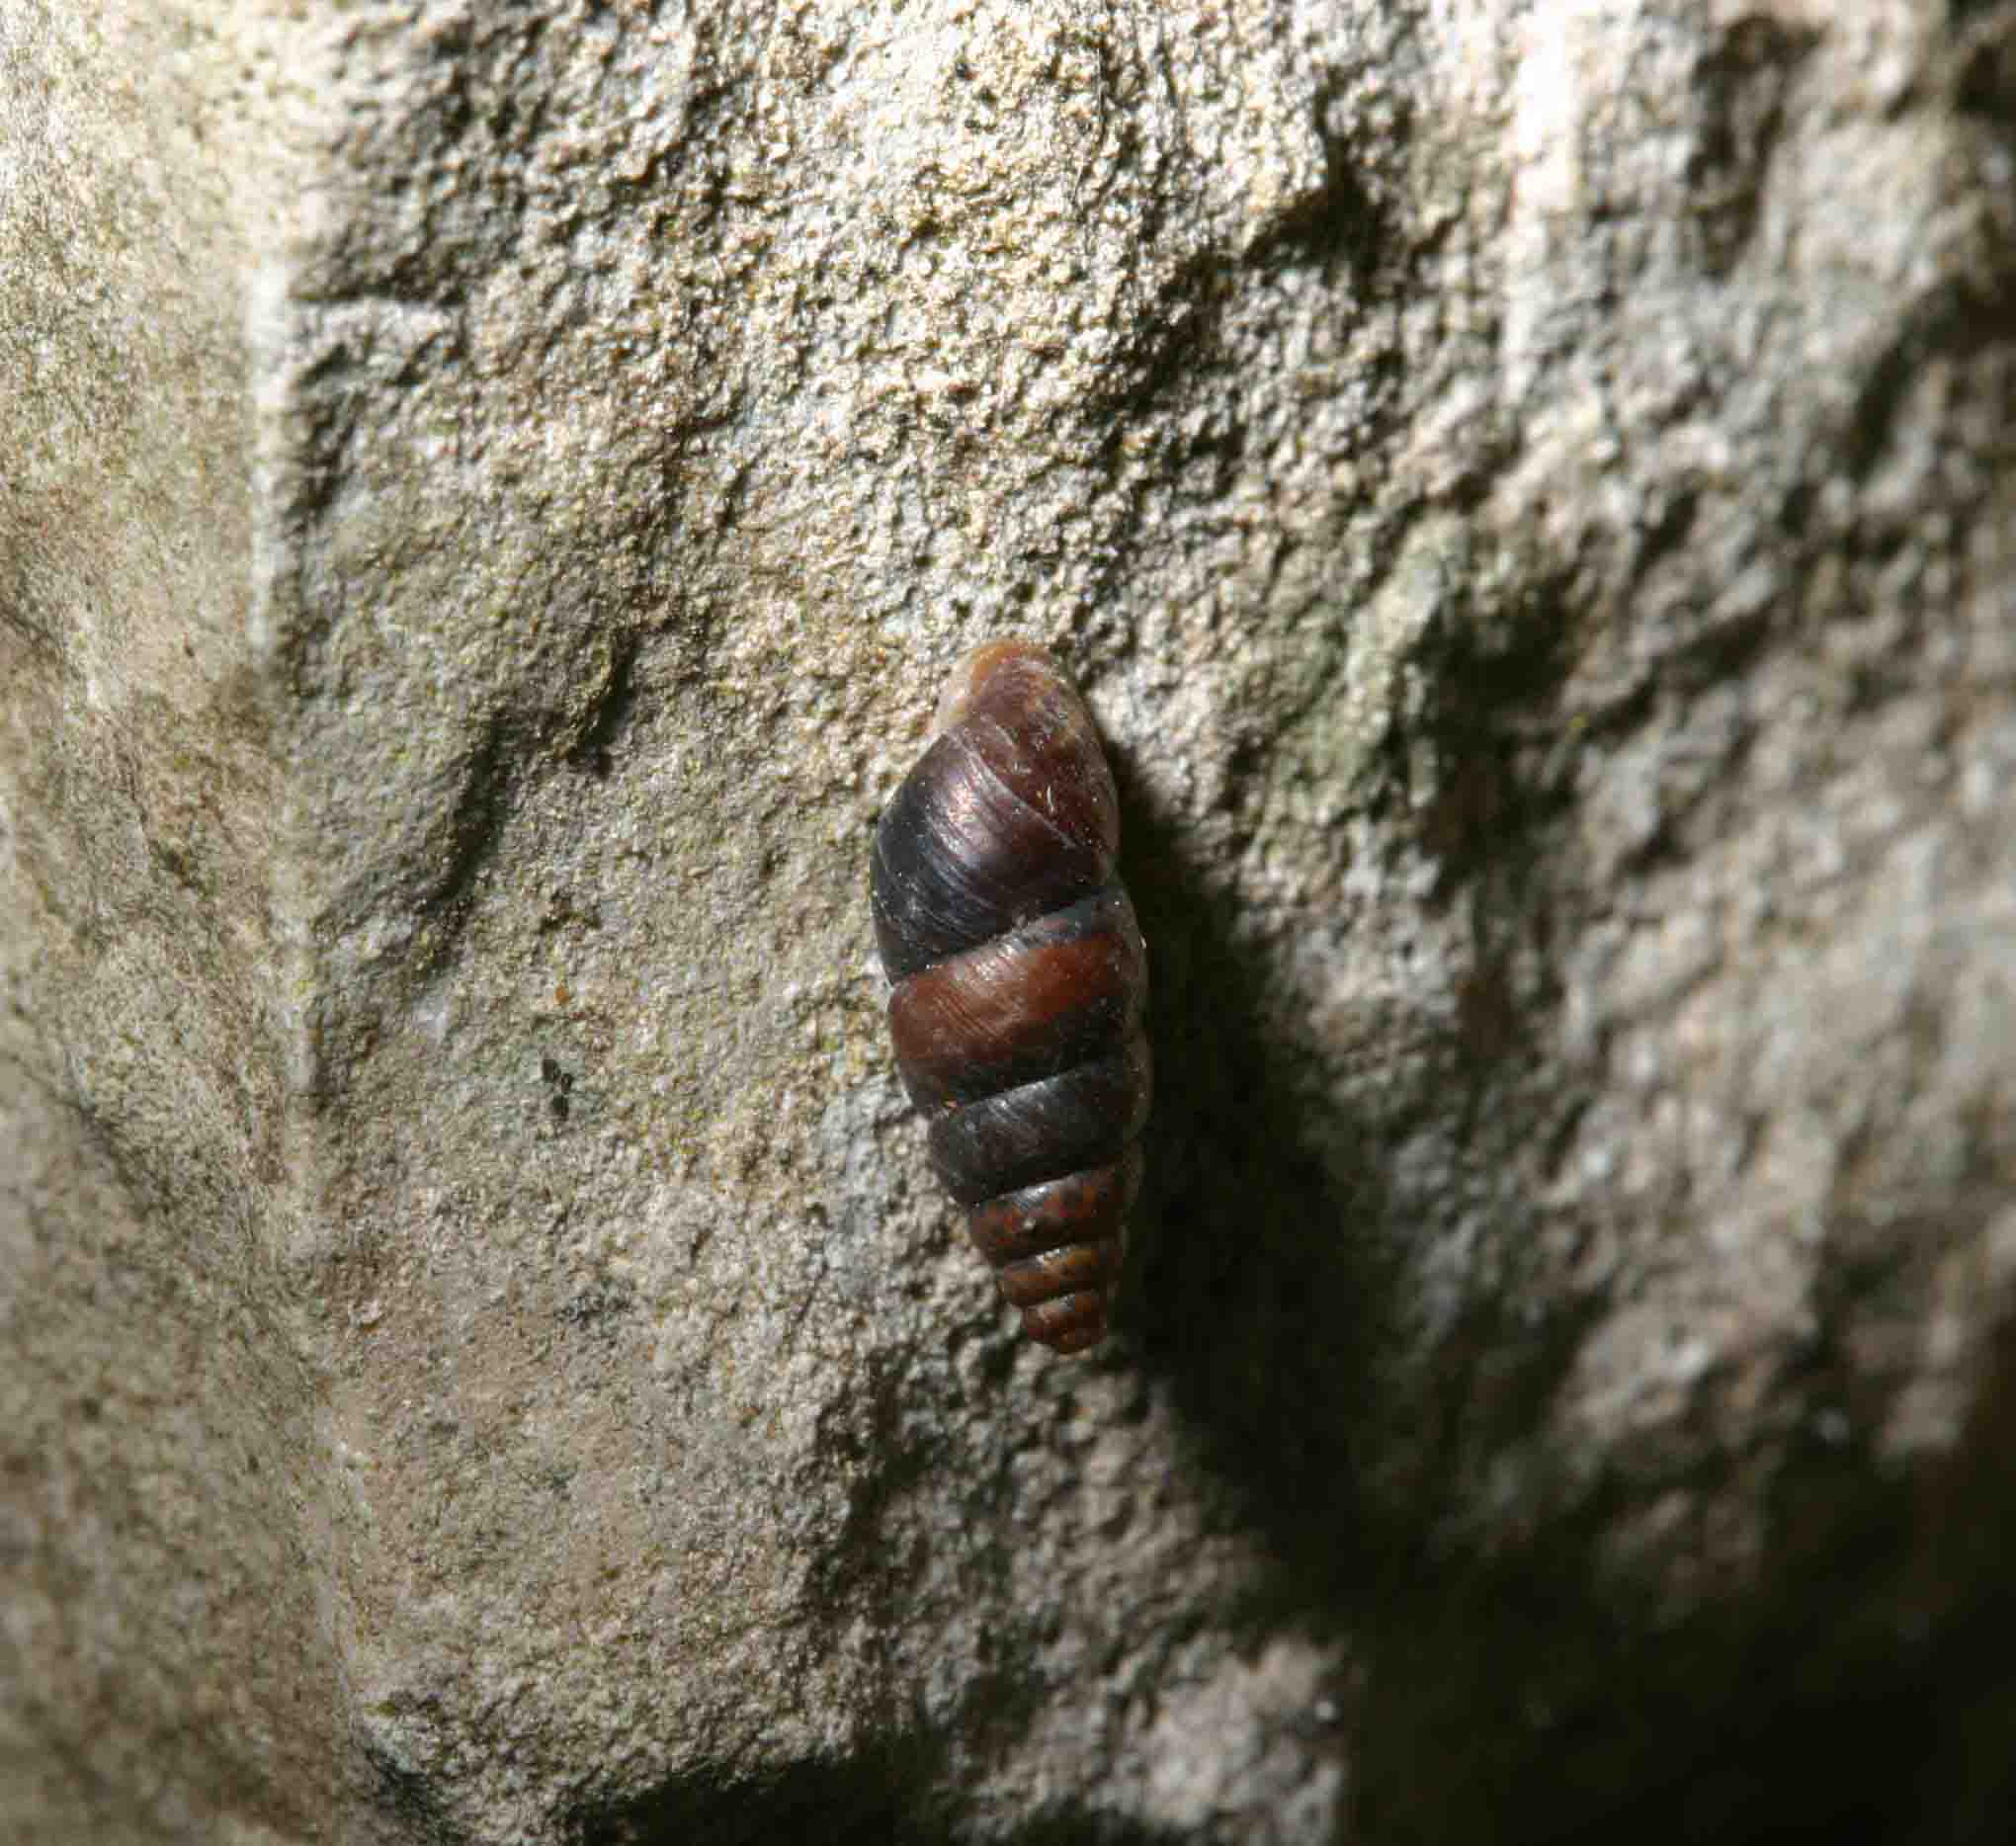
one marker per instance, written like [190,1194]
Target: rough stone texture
[167,1667]
[488,491]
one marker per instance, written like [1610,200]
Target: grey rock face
[489,491]
[167,1665]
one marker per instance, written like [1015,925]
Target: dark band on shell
[1020,984]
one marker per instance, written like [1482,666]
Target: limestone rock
[1531,492]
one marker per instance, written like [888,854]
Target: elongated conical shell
[1019,982]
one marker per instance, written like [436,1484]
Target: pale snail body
[1020,981]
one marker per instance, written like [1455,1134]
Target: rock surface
[1531,492]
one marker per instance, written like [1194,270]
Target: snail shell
[1019,982]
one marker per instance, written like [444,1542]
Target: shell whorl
[1019,982]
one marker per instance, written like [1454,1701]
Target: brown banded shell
[1020,984]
